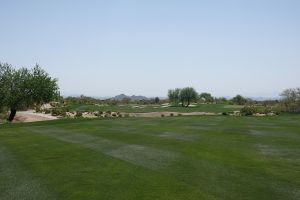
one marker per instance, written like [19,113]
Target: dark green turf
[201,157]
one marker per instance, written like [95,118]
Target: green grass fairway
[217,108]
[200,157]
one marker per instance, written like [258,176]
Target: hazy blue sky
[104,48]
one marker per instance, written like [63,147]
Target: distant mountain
[120,97]
[133,97]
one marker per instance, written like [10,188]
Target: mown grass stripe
[141,155]
[16,182]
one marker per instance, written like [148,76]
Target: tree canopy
[239,100]
[184,95]
[173,96]
[207,97]
[23,88]
[187,95]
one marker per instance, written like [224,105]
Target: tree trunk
[12,114]
[188,103]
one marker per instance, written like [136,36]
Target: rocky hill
[133,97]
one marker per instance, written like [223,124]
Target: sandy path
[31,116]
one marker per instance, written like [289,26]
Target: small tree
[291,99]
[187,95]
[156,100]
[248,110]
[24,88]
[207,97]
[173,96]
[239,100]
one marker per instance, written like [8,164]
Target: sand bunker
[31,116]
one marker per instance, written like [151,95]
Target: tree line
[82,99]
[184,97]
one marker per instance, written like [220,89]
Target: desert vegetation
[24,88]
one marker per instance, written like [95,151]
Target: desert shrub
[172,115]
[38,109]
[53,104]
[162,115]
[59,111]
[78,114]
[248,110]
[97,114]
[47,111]
[54,113]
[225,113]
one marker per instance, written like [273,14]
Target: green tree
[173,96]
[207,97]
[187,95]
[239,100]
[23,88]
[156,100]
